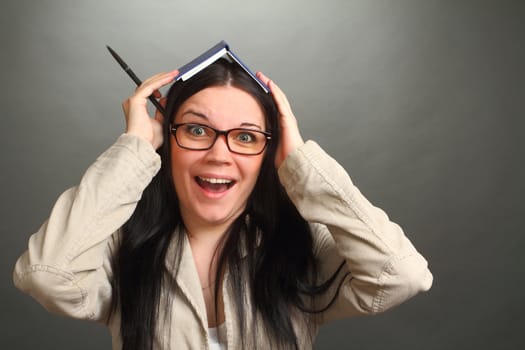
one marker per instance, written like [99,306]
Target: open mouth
[213,184]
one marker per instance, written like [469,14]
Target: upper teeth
[215,181]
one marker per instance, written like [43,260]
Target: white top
[217,336]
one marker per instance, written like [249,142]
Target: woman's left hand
[291,138]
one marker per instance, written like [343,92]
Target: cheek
[252,170]
[179,166]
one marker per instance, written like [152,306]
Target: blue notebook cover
[219,50]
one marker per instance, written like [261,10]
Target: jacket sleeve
[384,267]
[66,267]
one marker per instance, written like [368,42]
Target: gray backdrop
[421,101]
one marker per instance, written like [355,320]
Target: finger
[263,78]
[280,98]
[157,81]
[158,115]
[159,75]
[154,83]
[278,95]
[125,107]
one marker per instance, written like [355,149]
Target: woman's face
[213,185]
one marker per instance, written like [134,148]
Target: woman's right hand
[138,121]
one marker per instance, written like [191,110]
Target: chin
[218,219]
[219,216]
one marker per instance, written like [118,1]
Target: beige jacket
[66,267]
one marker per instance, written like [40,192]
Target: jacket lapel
[188,281]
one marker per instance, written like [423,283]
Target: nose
[219,152]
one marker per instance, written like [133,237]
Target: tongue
[212,187]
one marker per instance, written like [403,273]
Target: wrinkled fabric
[67,269]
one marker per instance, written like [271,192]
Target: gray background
[421,101]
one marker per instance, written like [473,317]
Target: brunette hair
[267,251]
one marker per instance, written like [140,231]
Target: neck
[205,233]
[204,240]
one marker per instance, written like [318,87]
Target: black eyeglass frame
[267,136]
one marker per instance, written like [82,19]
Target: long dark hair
[267,251]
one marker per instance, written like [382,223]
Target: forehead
[223,106]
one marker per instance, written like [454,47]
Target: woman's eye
[196,130]
[245,137]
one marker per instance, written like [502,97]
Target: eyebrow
[205,117]
[197,114]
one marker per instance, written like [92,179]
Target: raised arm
[67,265]
[385,268]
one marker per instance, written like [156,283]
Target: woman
[235,234]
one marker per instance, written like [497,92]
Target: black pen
[134,77]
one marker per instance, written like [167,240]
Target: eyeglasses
[200,137]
